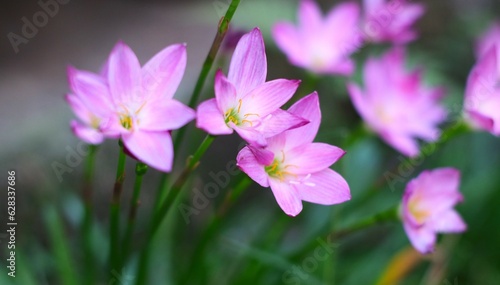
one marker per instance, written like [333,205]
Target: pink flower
[482,94]
[391,21]
[244,102]
[396,104]
[321,44]
[489,39]
[90,101]
[294,167]
[144,110]
[427,207]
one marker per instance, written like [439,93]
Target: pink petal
[248,67]
[268,97]
[153,148]
[263,156]
[251,135]
[280,121]
[373,6]
[225,92]
[422,239]
[360,101]
[402,143]
[345,15]
[307,108]
[408,15]
[92,91]
[313,157]
[163,73]
[248,163]
[448,222]
[310,15]
[210,119]
[79,108]
[287,197]
[326,187]
[124,74]
[165,114]
[287,39]
[344,66]
[87,134]
[481,121]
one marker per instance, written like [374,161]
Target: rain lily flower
[321,44]
[294,167]
[144,111]
[490,38]
[90,101]
[244,102]
[482,95]
[396,104]
[390,20]
[427,207]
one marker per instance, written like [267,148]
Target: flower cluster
[136,105]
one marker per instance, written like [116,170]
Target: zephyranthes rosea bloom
[139,106]
[244,101]
[427,207]
[482,95]
[296,168]
[321,44]
[490,38]
[396,104]
[391,20]
[91,103]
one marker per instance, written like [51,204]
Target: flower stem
[202,77]
[165,206]
[213,225]
[140,170]
[390,215]
[87,219]
[114,224]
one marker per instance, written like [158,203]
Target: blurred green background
[255,243]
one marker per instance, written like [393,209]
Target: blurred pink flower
[91,103]
[489,39]
[427,207]
[396,104]
[482,94]
[294,167]
[390,20]
[321,44]
[244,102]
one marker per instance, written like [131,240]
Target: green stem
[390,215]
[213,225]
[61,248]
[114,224]
[87,219]
[158,217]
[202,77]
[140,170]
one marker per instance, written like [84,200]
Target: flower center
[419,215]
[278,170]
[232,115]
[126,121]
[94,122]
